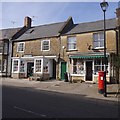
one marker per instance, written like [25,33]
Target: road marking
[30,111]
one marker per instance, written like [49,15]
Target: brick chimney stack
[118,14]
[27,22]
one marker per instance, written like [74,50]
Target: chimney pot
[27,22]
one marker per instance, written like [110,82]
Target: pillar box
[101,82]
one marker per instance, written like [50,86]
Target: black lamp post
[104,5]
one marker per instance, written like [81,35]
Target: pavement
[89,90]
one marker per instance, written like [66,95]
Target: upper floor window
[71,43]
[5,48]
[98,40]
[20,47]
[45,45]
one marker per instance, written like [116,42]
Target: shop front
[85,67]
[42,66]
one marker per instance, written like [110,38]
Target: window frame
[18,44]
[35,71]
[72,43]
[99,41]
[101,65]
[42,45]
[79,64]
[22,66]
[17,71]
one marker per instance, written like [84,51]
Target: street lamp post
[104,5]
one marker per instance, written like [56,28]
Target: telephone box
[101,82]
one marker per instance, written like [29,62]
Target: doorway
[54,69]
[30,68]
[88,70]
[63,69]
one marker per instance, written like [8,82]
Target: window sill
[45,50]
[77,74]
[71,50]
[98,48]
[20,51]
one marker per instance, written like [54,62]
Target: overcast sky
[13,13]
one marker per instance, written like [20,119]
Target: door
[54,69]
[63,70]
[88,70]
[30,67]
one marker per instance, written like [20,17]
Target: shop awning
[87,56]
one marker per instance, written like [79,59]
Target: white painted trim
[99,48]
[42,45]
[18,66]
[41,65]
[78,75]
[23,46]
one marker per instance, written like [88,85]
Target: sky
[13,13]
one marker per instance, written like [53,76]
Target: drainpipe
[7,59]
[10,54]
[117,53]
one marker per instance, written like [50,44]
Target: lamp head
[104,5]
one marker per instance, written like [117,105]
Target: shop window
[71,43]
[22,66]
[98,40]
[4,65]
[20,47]
[78,66]
[15,66]
[45,68]
[38,66]
[99,66]
[45,45]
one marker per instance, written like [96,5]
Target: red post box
[101,82]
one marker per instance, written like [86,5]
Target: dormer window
[20,47]
[45,45]
[98,40]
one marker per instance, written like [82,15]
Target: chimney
[27,22]
[118,14]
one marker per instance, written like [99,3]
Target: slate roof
[42,31]
[52,30]
[8,33]
[92,26]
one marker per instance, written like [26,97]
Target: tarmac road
[24,102]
